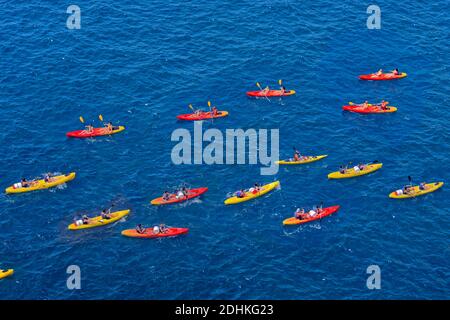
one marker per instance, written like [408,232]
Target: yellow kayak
[350,173]
[308,159]
[249,196]
[415,191]
[6,273]
[41,184]
[98,221]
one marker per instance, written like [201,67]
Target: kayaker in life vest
[282,90]
[85,219]
[240,194]
[342,169]
[383,105]
[106,214]
[423,186]
[162,228]
[48,178]
[89,128]
[407,189]
[25,184]
[299,213]
[361,166]
[379,72]
[166,196]
[214,111]
[297,156]
[395,72]
[140,229]
[265,90]
[256,188]
[365,104]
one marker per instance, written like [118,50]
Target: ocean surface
[140,63]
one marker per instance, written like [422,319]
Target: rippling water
[139,63]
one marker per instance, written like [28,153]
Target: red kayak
[326,212]
[202,116]
[270,93]
[192,193]
[148,233]
[369,109]
[97,132]
[383,76]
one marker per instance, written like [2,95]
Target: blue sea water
[140,63]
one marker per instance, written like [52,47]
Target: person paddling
[106,214]
[140,229]
[89,128]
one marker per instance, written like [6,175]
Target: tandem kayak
[148,233]
[383,76]
[6,273]
[326,212]
[192,193]
[306,159]
[429,187]
[252,195]
[97,132]
[270,93]
[41,184]
[202,116]
[98,221]
[350,173]
[369,109]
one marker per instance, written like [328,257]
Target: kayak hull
[430,187]
[148,233]
[99,222]
[41,184]
[309,160]
[369,110]
[326,212]
[6,273]
[351,172]
[383,76]
[192,193]
[204,116]
[270,93]
[263,190]
[97,132]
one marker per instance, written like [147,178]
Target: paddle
[81,119]
[192,108]
[410,180]
[100,117]
[210,112]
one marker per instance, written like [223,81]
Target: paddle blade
[81,119]
[190,106]
[100,117]
[350,103]
[209,104]
[409,178]
[280,82]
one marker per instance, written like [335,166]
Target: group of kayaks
[184,194]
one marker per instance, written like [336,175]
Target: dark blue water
[140,63]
